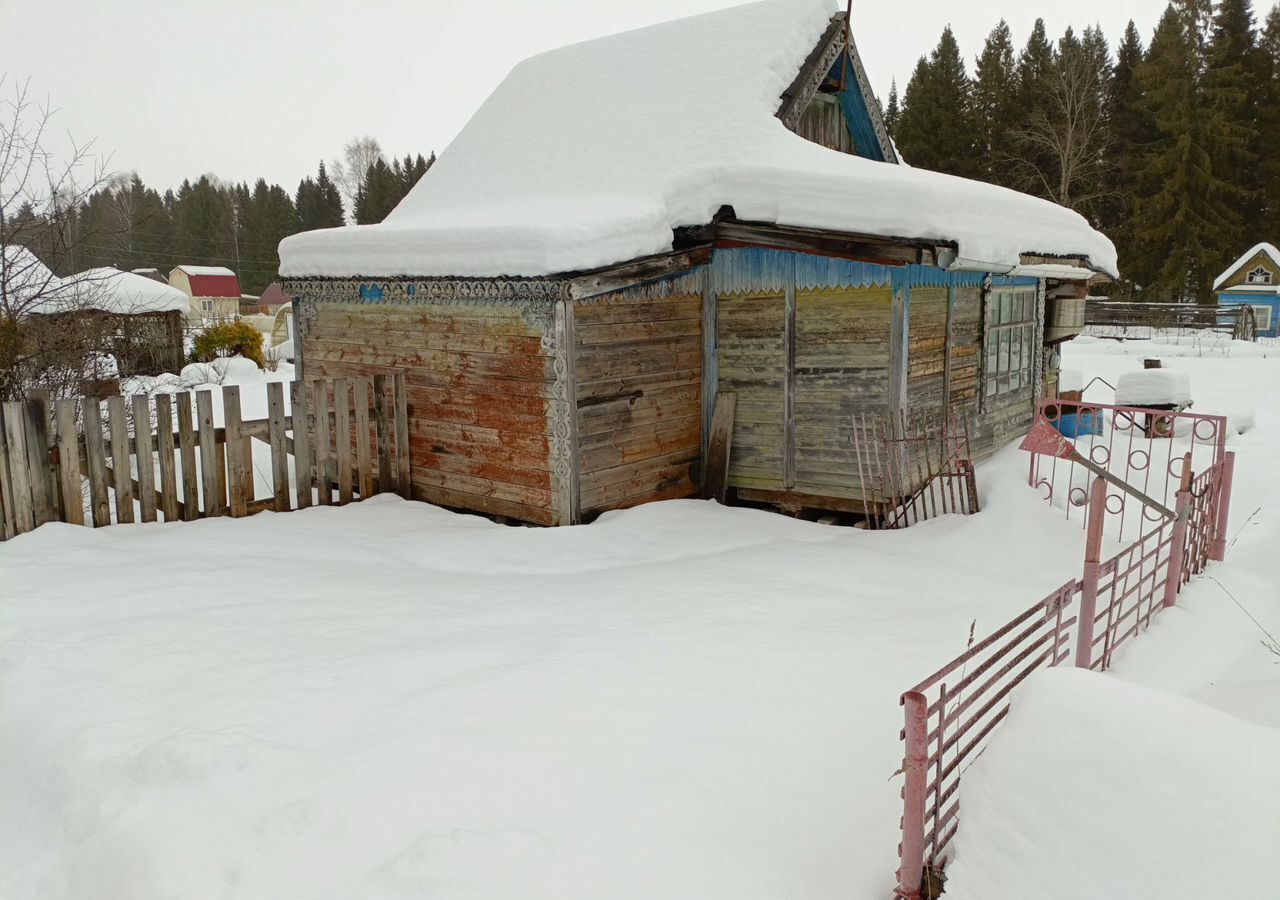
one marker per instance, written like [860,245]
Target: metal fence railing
[950,715]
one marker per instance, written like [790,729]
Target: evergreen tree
[1131,132]
[936,128]
[379,193]
[1035,84]
[1181,211]
[1269,126]
[1233,79]
[995,101]
[892,111]
[204,226]
[318,203]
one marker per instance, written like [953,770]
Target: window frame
[1009,356]
[1263,276]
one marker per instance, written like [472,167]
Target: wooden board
[187,447]
[95,464]
[303,459]
[209,461]
[342,438]
[279,455]
[320,441]
[169,504]
[238,462]
[715,469]
[144,453]
[24,517]
[120,467]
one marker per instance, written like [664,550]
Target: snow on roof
[126,292]
[205,270]
[590,155]
[24,277]
[1269,249]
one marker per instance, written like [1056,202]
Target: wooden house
[214,292]
[1254,280]
[629,227]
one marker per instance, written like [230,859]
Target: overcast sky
[243,88]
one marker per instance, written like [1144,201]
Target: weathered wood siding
[752,363]
[823,123]
[638,372]
[927,345]
[481,385]
[965,345]
[841,369]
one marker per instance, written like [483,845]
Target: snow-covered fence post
[1089,580]
[1218,549]
[914,788]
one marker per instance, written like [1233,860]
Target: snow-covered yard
[681,700]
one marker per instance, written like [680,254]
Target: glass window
[1010,336]
[1259,275]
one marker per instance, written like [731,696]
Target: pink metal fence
[950,715]
[1145,448]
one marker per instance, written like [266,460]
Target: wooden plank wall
[638,369]
[751,337]
[480,382]
[966,345]
[842,368]
[926,345]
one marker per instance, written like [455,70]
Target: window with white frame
[206,306]
[1009,360]
[1262,318]
[1260,275]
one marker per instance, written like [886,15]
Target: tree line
[1171,149]
[128,224]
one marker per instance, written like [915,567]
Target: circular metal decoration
[1045,486]
[1210,435]
[1176,466]
[1139,460]
[1078,496]
[1116,507]
[1100,455]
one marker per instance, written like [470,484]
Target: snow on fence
[1145,448]
[950,715]
[1118,319]
[165,457]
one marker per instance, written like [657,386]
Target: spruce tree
[1269,126]
[1182,208]
[995,101]
[318,203]
[1035,77]
[1233,79]
[1131,132]
[936,128]
[892,110]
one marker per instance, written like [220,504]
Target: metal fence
[1145,448]
[950,715]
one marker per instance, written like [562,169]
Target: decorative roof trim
[796,98]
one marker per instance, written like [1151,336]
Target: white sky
[242,88]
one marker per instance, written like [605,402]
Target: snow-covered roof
[38,290]
[205,270]
[1268,249]
[126,292]
[24,277]
[590,155]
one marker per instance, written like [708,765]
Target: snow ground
[681,700]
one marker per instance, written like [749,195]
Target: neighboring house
[135,319]
[273,298]
[214,292]
[1254,280]
[630,226]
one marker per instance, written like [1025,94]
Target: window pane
[1006,308]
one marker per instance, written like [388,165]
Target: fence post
[1177,543]
[911,852]
[1218,549]
[1089,580]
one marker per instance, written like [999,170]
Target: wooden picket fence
[165,458]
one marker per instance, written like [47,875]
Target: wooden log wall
[481,384]
[638,389]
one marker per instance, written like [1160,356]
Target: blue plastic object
[1074,425]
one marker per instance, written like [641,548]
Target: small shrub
[229,339]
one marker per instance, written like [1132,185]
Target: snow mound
[1096,787]
[590,155]
[1070,380]
[1148,387]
